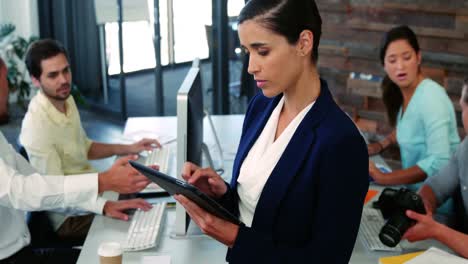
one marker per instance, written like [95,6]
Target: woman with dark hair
[301,164]
[418,108]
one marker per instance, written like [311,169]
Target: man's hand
[144,144]
[117,209]
[426,227]
[122,178]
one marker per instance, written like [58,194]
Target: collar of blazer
[294,155]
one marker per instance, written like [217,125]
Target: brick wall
[352,31]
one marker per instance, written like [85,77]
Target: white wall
[23,14]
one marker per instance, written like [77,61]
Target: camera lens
[396,226]
[390,236]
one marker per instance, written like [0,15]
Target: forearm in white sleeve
[37,192]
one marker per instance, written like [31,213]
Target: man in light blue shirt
[437,189]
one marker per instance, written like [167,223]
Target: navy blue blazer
[311,205]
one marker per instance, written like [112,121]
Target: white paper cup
[110,253]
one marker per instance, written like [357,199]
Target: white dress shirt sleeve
[31,192]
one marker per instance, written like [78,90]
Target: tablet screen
[176,186]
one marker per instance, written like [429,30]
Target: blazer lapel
[292,159]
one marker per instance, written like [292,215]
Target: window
[190,37]
[137,45]
[234,7]
[190,21]
[138,42]
[190,18]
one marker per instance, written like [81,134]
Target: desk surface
[196,248]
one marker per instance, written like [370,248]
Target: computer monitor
[190,115]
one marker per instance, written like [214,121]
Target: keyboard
[145,227]
[159,156]
[371,223]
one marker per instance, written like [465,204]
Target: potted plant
[12,51]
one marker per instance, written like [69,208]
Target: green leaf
[15,77]
[6,30]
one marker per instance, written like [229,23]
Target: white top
[21,190]
[262,158]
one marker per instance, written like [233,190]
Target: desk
[197,248]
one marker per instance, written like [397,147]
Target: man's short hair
[42,50]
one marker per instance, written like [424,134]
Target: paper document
[436,256]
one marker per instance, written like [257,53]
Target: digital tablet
[176,186]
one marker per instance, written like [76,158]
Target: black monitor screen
[195,121]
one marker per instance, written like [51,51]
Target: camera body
[393,205]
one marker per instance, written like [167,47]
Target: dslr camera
[393,205]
